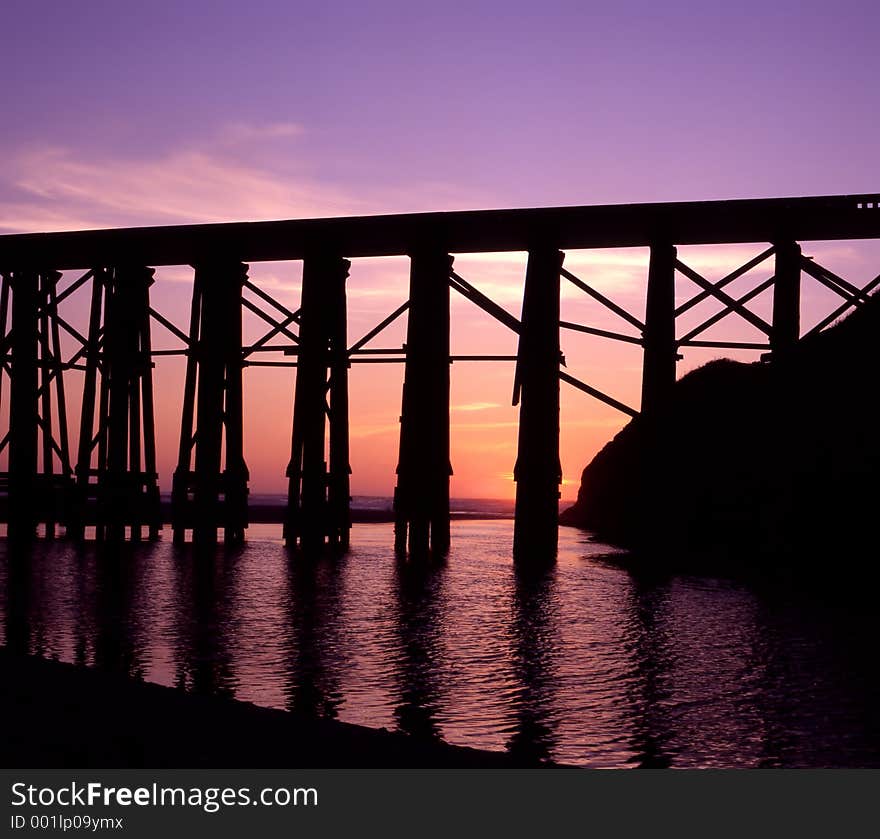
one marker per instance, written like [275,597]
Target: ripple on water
[587,664]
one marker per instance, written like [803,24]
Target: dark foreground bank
[58,715]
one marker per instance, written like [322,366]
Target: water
[588,664]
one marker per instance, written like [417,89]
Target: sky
[120,114]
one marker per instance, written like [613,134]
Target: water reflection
[768,660]
[313,603]
[418,620]
[18,602]
[585,663]
[649,688]
[110,586]
[206,618]
[533,653]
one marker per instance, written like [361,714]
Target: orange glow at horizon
[483,421]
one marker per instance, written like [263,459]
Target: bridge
[111,484]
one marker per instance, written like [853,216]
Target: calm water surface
[588,664]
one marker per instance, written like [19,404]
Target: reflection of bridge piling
[114,486]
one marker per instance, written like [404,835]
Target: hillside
[775,460]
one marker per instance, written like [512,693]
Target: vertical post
[47,495]
[660,355]
[318,502]
[538,472]
[103,428]
[87,413]
[658,382]
[308,469]
[784,337]
[66,486]
[786,324]
[23,406]
[151,498]
[141,480]
[181,508]
[4,319]
[235,473]
[209,412]
[421,498]
[125,495]
[113,500]
[219,359]
[339,486]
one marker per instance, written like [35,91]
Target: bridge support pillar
[318,501]
[538,472]
[125,492]
[207,498]
[86,491]
[339,486]
[54,493]
[23,411]
[658,365]
[786,325]
[421,497]
[655,506]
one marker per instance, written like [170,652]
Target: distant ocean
[376,506]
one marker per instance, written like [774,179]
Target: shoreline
[63,716]
[274,514]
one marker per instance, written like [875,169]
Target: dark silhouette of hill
[773,462]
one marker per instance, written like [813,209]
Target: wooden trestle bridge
[111,482]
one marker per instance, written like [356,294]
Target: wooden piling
[537,472]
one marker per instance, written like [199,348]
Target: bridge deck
[474,231]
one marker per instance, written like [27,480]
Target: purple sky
[386,106]
[122,113]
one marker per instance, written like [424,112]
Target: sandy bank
[60,715]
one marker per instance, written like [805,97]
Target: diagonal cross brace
[726,299]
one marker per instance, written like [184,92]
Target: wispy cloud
[53,188]
[475,406]
[238,133]
[241,172]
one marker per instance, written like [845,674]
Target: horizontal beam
[397,359]
[482,358]
[474,231]
[725,345]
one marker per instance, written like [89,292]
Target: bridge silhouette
[112,484]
